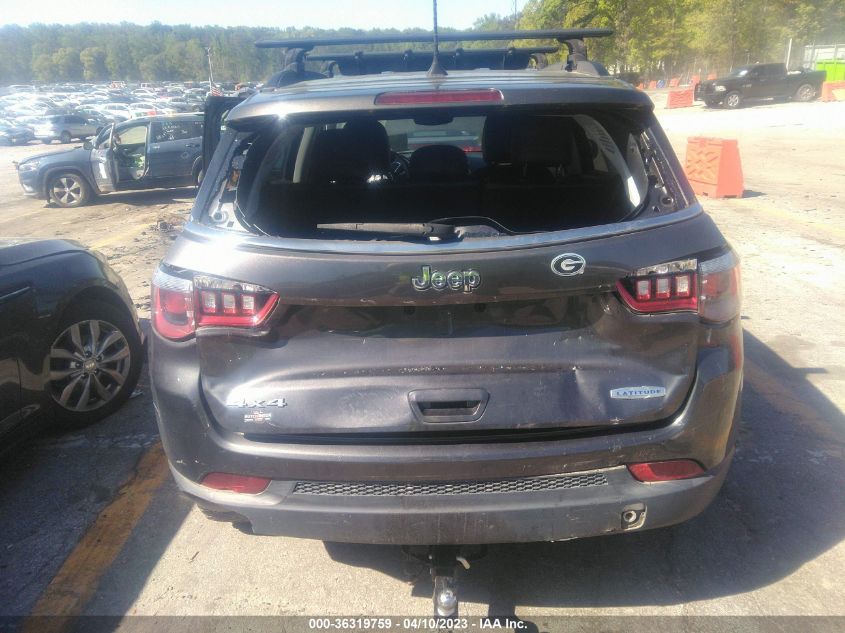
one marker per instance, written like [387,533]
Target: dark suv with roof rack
[421,309]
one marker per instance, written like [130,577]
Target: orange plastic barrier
[711,76]
[695,79]
[833,91]
[641,87]
[713,167]
[674,82]
[680,98]
[652,85]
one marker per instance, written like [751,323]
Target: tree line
[652,37]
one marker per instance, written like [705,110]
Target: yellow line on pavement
[77,580]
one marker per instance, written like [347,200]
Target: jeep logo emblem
[467,280]
[568,264]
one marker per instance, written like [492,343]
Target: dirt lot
[771,544]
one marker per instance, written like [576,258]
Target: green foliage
[665,38]
[656,38]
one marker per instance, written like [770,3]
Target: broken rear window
[437,175]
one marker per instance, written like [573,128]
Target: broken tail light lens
[181,305]
[711,288]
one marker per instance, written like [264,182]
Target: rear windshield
[437,175]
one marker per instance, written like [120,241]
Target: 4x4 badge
[568,264]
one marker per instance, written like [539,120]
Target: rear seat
[540,176]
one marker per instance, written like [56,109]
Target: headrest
[439,163]
[351,154]
[496,138]
[547,140]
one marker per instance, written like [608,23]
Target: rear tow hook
[443,561]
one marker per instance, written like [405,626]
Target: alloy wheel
[89,363]
[67,189]
[806,93]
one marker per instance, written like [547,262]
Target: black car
[143,153]
[760,82]
[70,345]
[435,309]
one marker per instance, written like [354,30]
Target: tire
[805,93]
[69,190]
[109,383]
[65,137]
[46,141]
[732,100]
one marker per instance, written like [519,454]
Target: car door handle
[192,144]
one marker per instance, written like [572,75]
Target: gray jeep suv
[438,310]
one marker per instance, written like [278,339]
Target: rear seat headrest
[439,163]
[545,140]
[496,138]
[537,140]
[351,154]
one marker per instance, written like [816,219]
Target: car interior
[130,152]
[514,173]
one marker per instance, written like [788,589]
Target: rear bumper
[473,518]
[703,429]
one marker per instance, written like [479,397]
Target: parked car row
[68,112]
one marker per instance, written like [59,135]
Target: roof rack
[561,35]
[359,63]
[368,63]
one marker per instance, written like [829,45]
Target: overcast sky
[361,14]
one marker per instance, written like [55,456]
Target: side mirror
[87,145]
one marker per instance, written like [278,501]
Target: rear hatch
[477,328]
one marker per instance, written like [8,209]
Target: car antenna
[436,69]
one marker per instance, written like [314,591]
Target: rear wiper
[415,229]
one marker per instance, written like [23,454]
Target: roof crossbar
[561,35]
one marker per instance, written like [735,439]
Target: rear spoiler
[297,52]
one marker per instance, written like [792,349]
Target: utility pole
[788,53]
[210,74]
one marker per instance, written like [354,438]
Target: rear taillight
[719,289]
[650,472]
[232,303]
[242,484]
[711,288]
[181,305]
[173,306]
